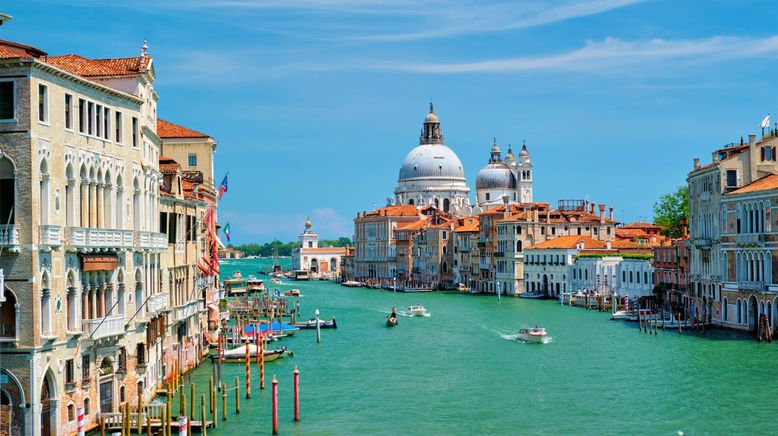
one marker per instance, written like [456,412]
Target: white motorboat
[276,281]
[239,354]
[537,335]
[624,315]
[417,310]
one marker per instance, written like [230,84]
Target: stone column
[110,300]
[84,200]
[93,205]
[85,302]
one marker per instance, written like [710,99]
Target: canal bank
[455,373]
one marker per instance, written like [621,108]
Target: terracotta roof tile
[569,242]
[640,225]
[412,226]
[85,67]
[168,165]
[763,184]
[166,129]
[15,50]
[398,210]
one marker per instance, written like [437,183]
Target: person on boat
[394,314]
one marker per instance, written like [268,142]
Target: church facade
[318,262]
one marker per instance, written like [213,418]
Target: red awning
[99,262]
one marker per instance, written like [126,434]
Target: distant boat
[391,322]
[293,293]
[537,335]
[276,281]
[351,284]
[236,284]
[255,285]
[284,328]
[323,324]
[532,296]
[417,310]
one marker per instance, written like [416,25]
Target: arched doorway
[545,284]
[12,403]
[48,411]
[753,313]
[334,264]
[106,386]
[314,265]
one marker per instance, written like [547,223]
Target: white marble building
[432,174]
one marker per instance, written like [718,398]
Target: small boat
[239,354]
[255,284]
[285,329]
[235,285]
[463,288]
[417,310]
[351,284]
[292,293]
[276,281]
[323,324]
[531,296]
[391,321]
[535,335]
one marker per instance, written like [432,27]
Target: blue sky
[315,103]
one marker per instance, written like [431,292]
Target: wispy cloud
[609,55]
[379,20]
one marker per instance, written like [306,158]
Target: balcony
[9,237]
[156,304]
[702,242]
[100,328]
[753,239]
[50,237]
[88,239]
[186,310]
[150,241]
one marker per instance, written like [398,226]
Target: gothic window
[7,189]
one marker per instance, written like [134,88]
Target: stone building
[375,249]
[734,166]
[671,269]
[80,249]
[317,262]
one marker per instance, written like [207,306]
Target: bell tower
[524,174]
[309,239]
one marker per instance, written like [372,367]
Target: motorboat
[323,324]
[417,310]
[235,284]
[532,296]
[293,293]
[276,281]
[239,354]
[536,335]
[255,285]
[630,315]
[351,284]
[463,288]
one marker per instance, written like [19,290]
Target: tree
[671,211]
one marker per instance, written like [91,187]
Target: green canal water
[455,373]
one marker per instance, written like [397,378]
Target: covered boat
[239,354]
[255,285]
[235,284]
[277,328]
[323,324]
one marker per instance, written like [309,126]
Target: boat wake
[410,315]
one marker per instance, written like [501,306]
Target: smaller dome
[308,223]
[431,118]
[495,175]
[509,157]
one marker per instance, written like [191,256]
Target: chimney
[696,163]
[610,209]
[591,208]
[751,139]
[602,213]
[535,218]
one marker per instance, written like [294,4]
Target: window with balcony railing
[86,371]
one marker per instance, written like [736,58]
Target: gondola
[391,322]
[323,324]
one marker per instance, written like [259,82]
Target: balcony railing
[150,241]
[702,242]
[156,304]
[50,236]
[749,239]
[88,239]
[9,237]
[103,328]
[186,310]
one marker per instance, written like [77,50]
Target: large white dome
[431,161]
[495,175]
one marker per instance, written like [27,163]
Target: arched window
[445,267]
[86,406]
[122,394]
[71,412]
[8,312]
[7,191]
[446,204]
[45,305]
[410,202]
[518,245]
[739,312]
[43,190]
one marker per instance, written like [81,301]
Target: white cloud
[611,54]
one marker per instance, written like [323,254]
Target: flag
[227,231]
[765,122]
[223,186]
